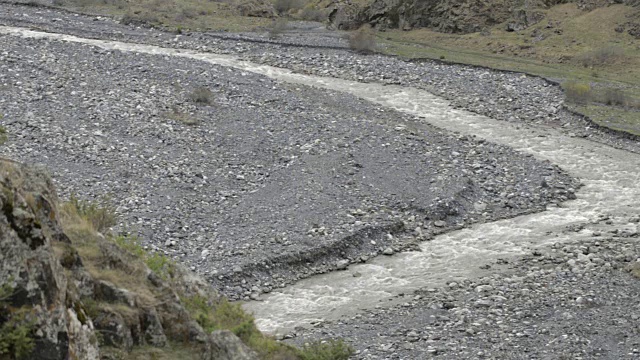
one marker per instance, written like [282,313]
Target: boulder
[224,345]
[32,277]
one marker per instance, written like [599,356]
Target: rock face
[53,303]
[36,290]
[455,16]
[461,16]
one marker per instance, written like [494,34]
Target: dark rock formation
[53,304]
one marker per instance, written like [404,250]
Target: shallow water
[610,179]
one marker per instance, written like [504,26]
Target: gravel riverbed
[261,183]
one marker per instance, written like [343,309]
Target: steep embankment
[68,291]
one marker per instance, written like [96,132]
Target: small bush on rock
[16,338]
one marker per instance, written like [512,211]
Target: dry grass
[363,40]
[202,96]
[612,58]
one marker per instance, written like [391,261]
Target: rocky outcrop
[455,16]
[460,16]
[37,296]
[54,301]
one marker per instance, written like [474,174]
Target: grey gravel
[273,182]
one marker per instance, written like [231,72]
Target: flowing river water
[611,179]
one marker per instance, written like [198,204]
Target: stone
[388,251]
[439,223]
[114,329]
[224,345]
[342,264]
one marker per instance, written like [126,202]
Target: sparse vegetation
[283,7]
[278,27]
[100,214]
[181,116]
[326,350]
[363,40]
[202,96]
[3,133]
[601,57]
[229,316]
[311,13]
[634,269]
[578,93]
[156,262]
[614,97]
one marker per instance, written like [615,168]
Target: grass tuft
[363,40]
[201,96]
[100,214]
[326,350]
[576,92]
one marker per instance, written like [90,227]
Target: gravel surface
[572,301]
[269,182]
[501,95]
[266,183]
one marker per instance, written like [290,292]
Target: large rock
[453,16]
[224,345]
[30,272]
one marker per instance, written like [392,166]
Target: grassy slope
[558,55]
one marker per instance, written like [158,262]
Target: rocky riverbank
[252,183]
[575,300]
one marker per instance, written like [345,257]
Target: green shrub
[223,315]
[100,214]
[326,350]
[16,329]
[156,262]
[130,243]
[579,93]
[363,40]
